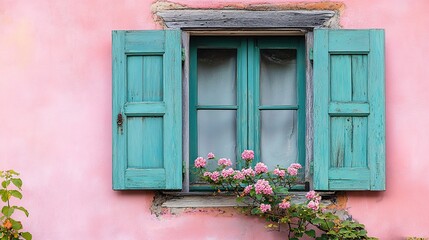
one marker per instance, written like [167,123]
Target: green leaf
[255,211]
[5,183]
[7,211]
[311,233]
[282,190]
[16,225]
[26,235]
[22,209]
[17,182]
[13,172]
[16,194]
[5,196]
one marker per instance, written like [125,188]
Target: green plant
[267,194]
[10,228]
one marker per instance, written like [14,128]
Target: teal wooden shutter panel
[349,118]
[147,105]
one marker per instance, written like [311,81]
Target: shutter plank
[376,120]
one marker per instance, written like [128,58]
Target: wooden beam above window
[243,19]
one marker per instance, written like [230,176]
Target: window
[347,92]
[248,93]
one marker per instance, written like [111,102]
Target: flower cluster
[314,200]
[227,172]
[261,168]
[285,204]
[210,155]
[263,187]
[265,207]
[278,172]
[224,162]
[247,189]
[248,155]
[214,176]
[248,172]
[200,162]
[266,193]
[293,169]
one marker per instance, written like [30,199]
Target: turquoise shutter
[147,105]
[349,130]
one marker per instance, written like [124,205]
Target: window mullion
[253,98]
[242,95]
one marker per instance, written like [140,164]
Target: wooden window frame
[248,23]
[248,131]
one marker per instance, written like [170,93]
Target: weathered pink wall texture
[55,127]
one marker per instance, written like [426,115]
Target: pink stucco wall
[55,127]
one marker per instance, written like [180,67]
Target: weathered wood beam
[242,19]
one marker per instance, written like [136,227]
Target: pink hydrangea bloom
[239,175]
[227,172]
[261,168]
[248,172]
[284,204]
[313,205]
[262,186]
[247,189]
[210,155]
[310,195]
[278,172]
[215,176]
[292,171]
[200,162]
[296,165]
[248,155]
[207,174]
[224,162]
[265,207]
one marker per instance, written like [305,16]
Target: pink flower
[262,186]
[310,195]
[210,155]
[215,176]
[248,155]
[284,204]
[224,162]
[207,174]
[317,198]
[247,189]
[265,207]
[248,172]
[278,172]
[292,171]
[227,172]
[261,168]
[200,162]
[296,165]
[238,175]
[313,205]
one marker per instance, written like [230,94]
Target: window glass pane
[278,77]
[217,134]
[217,71]
[278,138]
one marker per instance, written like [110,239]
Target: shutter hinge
[310,54]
